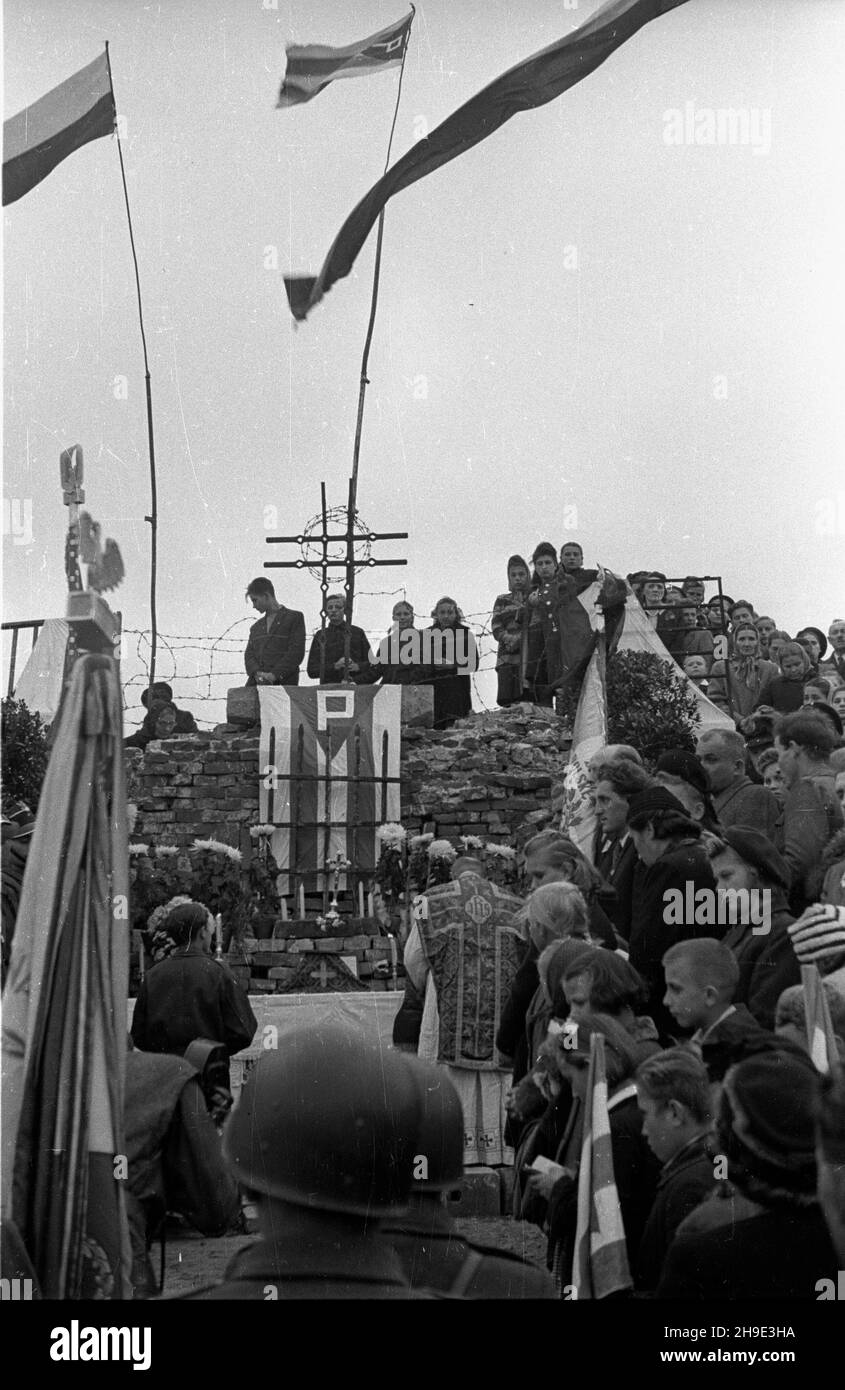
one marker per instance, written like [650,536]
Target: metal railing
[15,628]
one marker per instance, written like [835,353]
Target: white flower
[417,841]
[391,834]
[256,831]
[503,851]
[138,849]
[470,841]
[442,849]
[162,851]
[217,847]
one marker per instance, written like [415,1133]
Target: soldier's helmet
[439,1160]
[330,1122]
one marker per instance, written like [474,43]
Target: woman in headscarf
[784,692]
[400,650]
[453,658]
[509,625]
[740,686]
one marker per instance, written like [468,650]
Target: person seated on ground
[830,1157]
[768,766]
[401,650]
[791,1017]
[615,854]
[784,693]
[324,1138]
[833,664]
[276,643]
[812,813]
[327,660]
[551,1195]
[509,626]
[673,1093]
[433,1255]
[681,773]
[189,995]
[733,1245]
[175,1163]
[541,599]
[185,722]
[702,977]
[818,938]
[752,881]
[551,857]
[814,642]
[735,685]
[765,628]
[454,658]
[673,867]
[816,691]
[736,800]
[695,666]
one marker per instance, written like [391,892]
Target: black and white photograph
[423,661]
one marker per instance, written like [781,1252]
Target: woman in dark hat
[651,592]
[814,642]
[681,773]
[752,880]
[762,1234]
[509,625]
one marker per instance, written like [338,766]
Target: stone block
[479,1193]
[302,945]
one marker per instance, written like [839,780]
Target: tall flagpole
[364,383]
[153,517]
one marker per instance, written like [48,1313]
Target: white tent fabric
[40,683]
[638,635]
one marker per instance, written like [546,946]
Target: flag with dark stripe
[533,82]
[600,1260]
[311,67]
[40,137]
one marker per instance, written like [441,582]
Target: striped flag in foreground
[820,1037]
[589,735]
[600,1259]
[311,67]
[41,136]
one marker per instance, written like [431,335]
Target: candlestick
[370,912]
[284,906]
[140,957]
[393,958]
[218,936]
[360,898]
[302,899]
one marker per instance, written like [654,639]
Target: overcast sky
[575,314]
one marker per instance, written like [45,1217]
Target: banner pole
[153,517]
[364,382]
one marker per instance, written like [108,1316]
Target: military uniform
[434,1256]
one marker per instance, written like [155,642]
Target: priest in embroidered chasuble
[463,951]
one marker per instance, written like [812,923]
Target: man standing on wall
[276,643]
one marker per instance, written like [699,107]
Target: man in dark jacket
[276,643]
[175,1157]
[673,868]
[189,995]
[673,1092]
[327,659]
[737,801]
